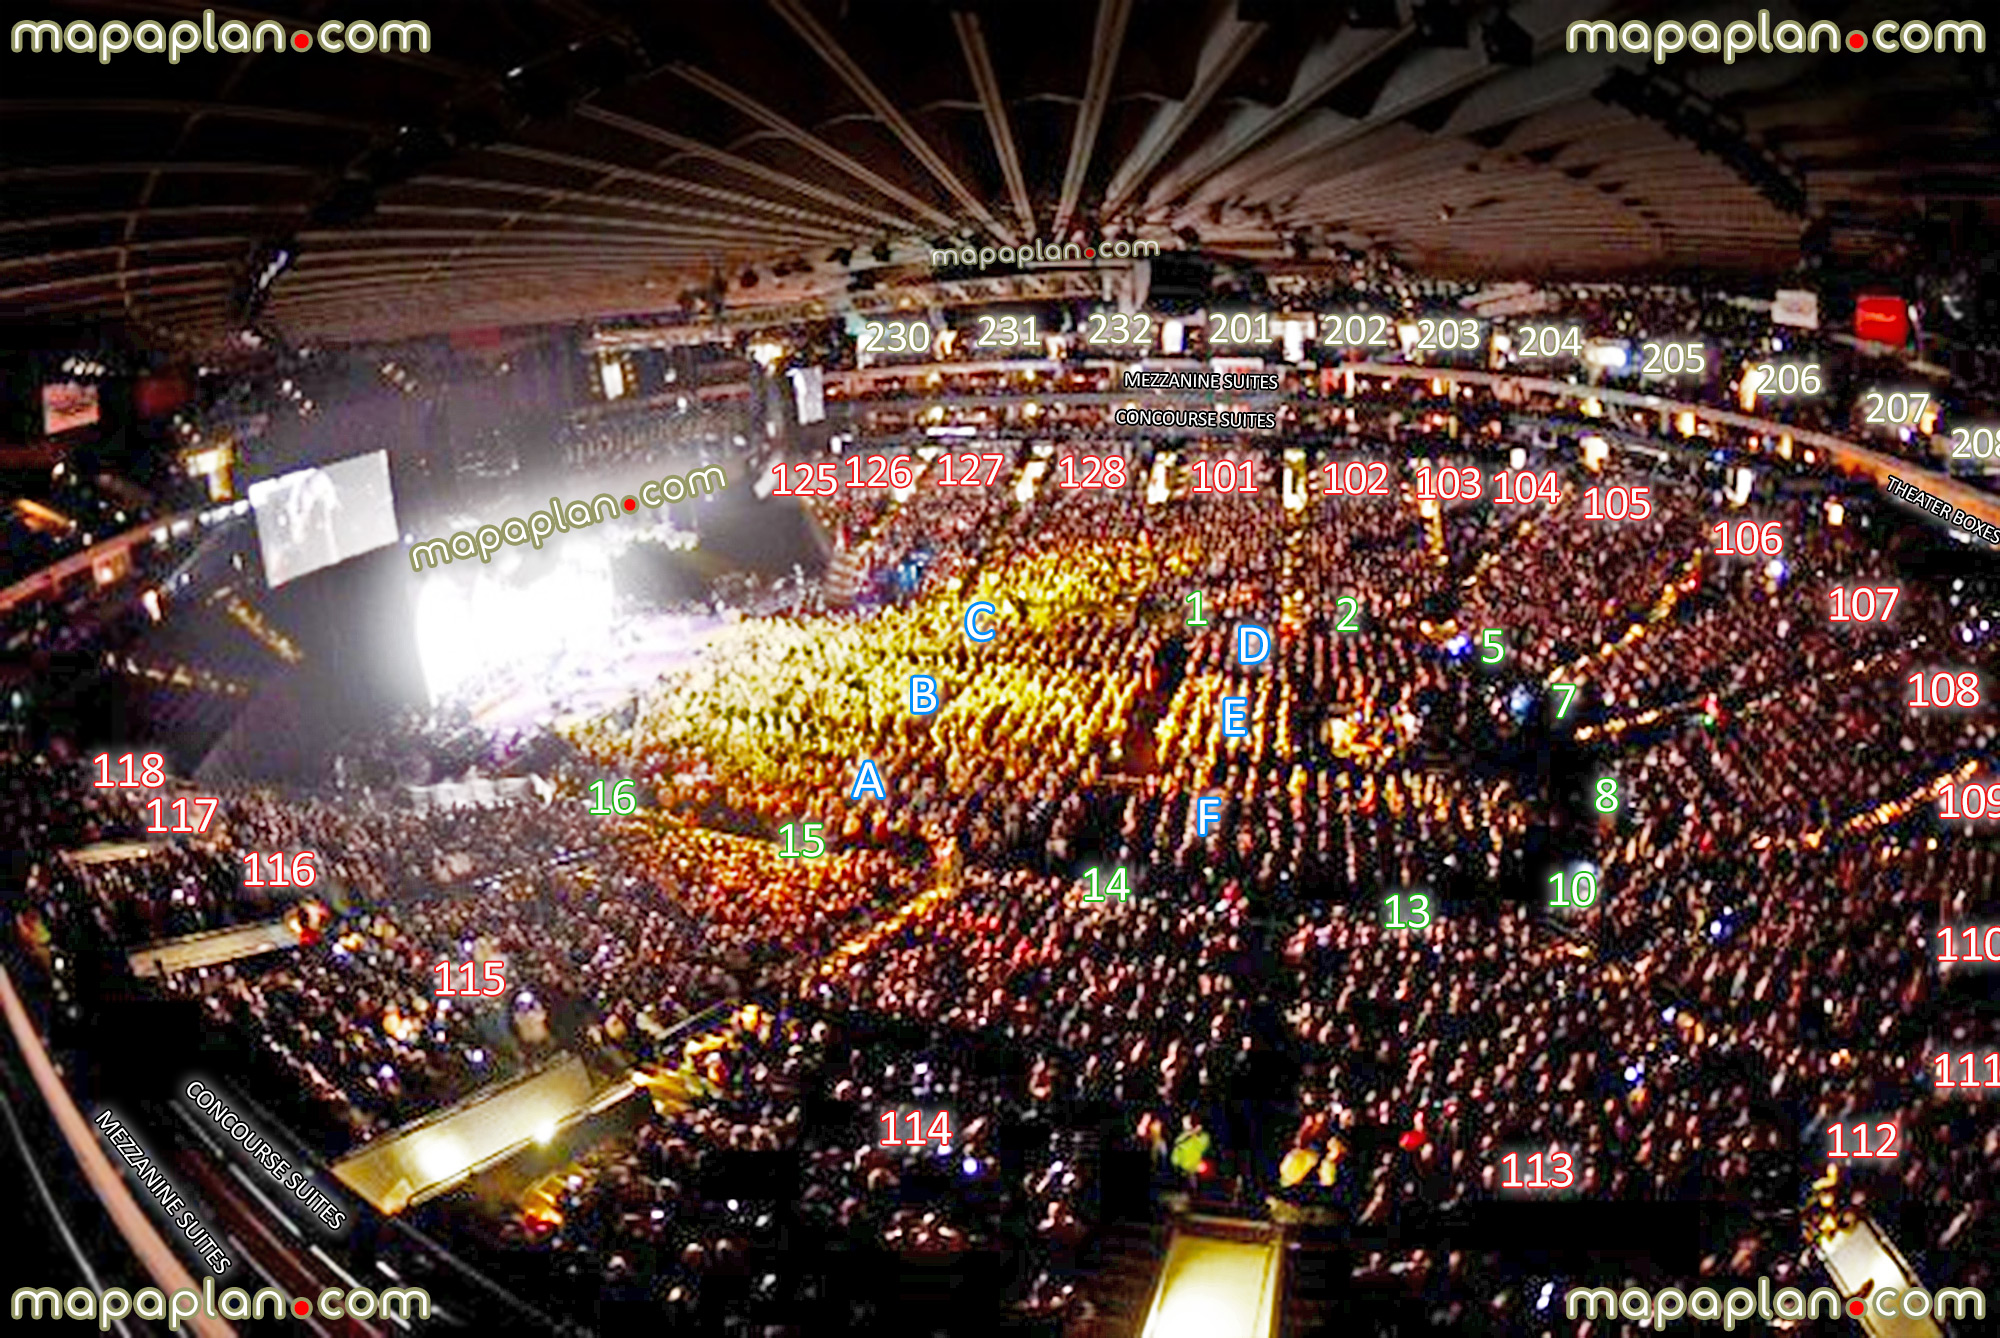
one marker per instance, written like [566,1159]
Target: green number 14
[1115,888]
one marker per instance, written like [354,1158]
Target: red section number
[492,973]
[940,1130]
[303,872]
[152,772]
[1559,1168]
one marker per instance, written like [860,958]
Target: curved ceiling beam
[557,244]
[553,194]
[53,221]
[1107,39]
[59,171]
[811,143]
[648,226]
[1426,76]
[829,49]
[164,244]
[694,148]
[616,171]
[237,111]
[993,103]
[109,277]
[1324,69]
[1228,43]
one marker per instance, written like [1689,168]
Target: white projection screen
[313,518]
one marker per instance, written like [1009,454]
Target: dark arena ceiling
[564,159]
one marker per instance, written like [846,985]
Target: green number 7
[1568,690]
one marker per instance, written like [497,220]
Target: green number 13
[1420,912]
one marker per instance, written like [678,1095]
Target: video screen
[1108,669]
[67,405]
[314,518]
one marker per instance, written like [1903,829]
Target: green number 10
[1582,887]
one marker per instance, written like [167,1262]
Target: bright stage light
[465,631]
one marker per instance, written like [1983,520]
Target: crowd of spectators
[1756,966]
[776,1203]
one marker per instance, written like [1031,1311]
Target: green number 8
[1607,795]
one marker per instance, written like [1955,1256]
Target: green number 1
[1197,620]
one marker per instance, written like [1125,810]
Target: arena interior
[1122,669]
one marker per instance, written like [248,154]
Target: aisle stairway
[1312,1275]
[1121,1267]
